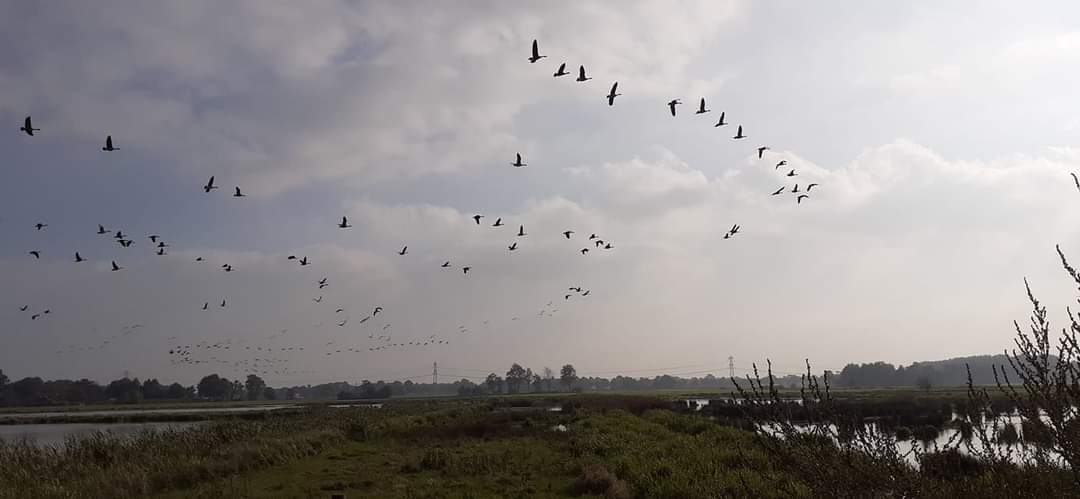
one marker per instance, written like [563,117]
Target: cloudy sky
[941,138]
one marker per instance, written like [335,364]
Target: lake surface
[200,410]
[54,434]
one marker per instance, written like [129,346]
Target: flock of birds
[272,357]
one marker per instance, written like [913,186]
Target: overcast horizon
[941,138]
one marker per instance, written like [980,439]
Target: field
[597,446]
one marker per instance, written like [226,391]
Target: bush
[950,465]
[595,479]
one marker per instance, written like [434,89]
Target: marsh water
[55,434]
[135,412]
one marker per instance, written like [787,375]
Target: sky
[941,138]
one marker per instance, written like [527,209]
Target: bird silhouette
[536,53]
[800,198]
[761,151]
[446,264]
[782,162]
[222,303]
[612,95]
[518,163]
[404,250]
[608,246]
[108,144]
[115,267]
[778,191]
[237,193]
[795,190]
[586,293]
[701,107]
[739,134]
[1076,181]
[792,173]
[34,317]
[40,226]
[198,259]
[477,218]
[521,231]
[153,237]
[37,254]
[24,308]
[119,235]
[79,258]
[28,127]
[304,262]
[512,247]
[592,236]
[205,305]
[721,122]
[344,223]
[584,250]
[317,300]
[561,71]
[671,105]
[809,187]
[227,268]
[498,223]
[126,243]
[567,233]
[323,280]
[209,185]
[101,229]
[161,252]
[377,310]
[581,74]
[465,270]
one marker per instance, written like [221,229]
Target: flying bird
[739,135]
[592,236]
[536,53]
[323,280]
[809,187]
[237,193]
[126,243]
[404,250]
[567,233]
[584,250]
[581,74]
[791,173]
[209,185]
[198,259]
[40,226]
[28,127]
[608,246]
[23,308]
[344,223]
[161,252]
[781,163]
[778,191]
[612,95]
[721,122]
[518,163]
[153,237]
[465,270]
[671,105]
[477,218]
[37,254]
[108,144]
[800,198]
[222,303]
[1076,180]
[761,151]
[205,305]
[561,71]
[521,231]
[115,267]
[119,235]
[377,310]
[34,317]
[101,229]
[701,107]
[304,262]
[512,247]
[795,190]
[446,264]
[498,223]
[317,300]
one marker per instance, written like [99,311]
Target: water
[249,408]
[54,434]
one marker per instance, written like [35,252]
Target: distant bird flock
[269,357]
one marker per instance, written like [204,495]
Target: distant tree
[537,383]
[269,393]
[515,377]
[152,389]
[29,391]
[549,377]
[236,391]
[493,381]
[176,391]
[125,391]
[924,383]
[292,393]
[568,375]
[3,378]
[214,387]
[254,387]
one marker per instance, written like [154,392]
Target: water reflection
[54,434]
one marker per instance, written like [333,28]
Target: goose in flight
[446,264]
[223,303]
[28,127]
[800,198]
[608,246]
[237,193]
[536,53]
[79,258]
[344,223]
[198,259]
[586,293]
[323,280]
[317,300]
[153,237]
[721,122]
[465,270]
[304,262]
[119,235]
[34,317]
[498,223]
[115,267]
[40,226]
[739,135]
[701,107]
[37,254]
[592,236]
[209,185]
[795,190]
[809,187]
[477,218]
[782,162]
[761,151]
[792,173]
[1076,180]
[376,312]
[512,247]
[518,163]
[205,305]
[581,74]
[584,250]
[567,233]
[612,95]
[126,243]
[161,252]
[101,229]
[521,231]
[404,250]
[561,71]
[108,144]
[778,191]
[671,105]
[23,308]
[227,268]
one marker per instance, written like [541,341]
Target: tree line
[36,391]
